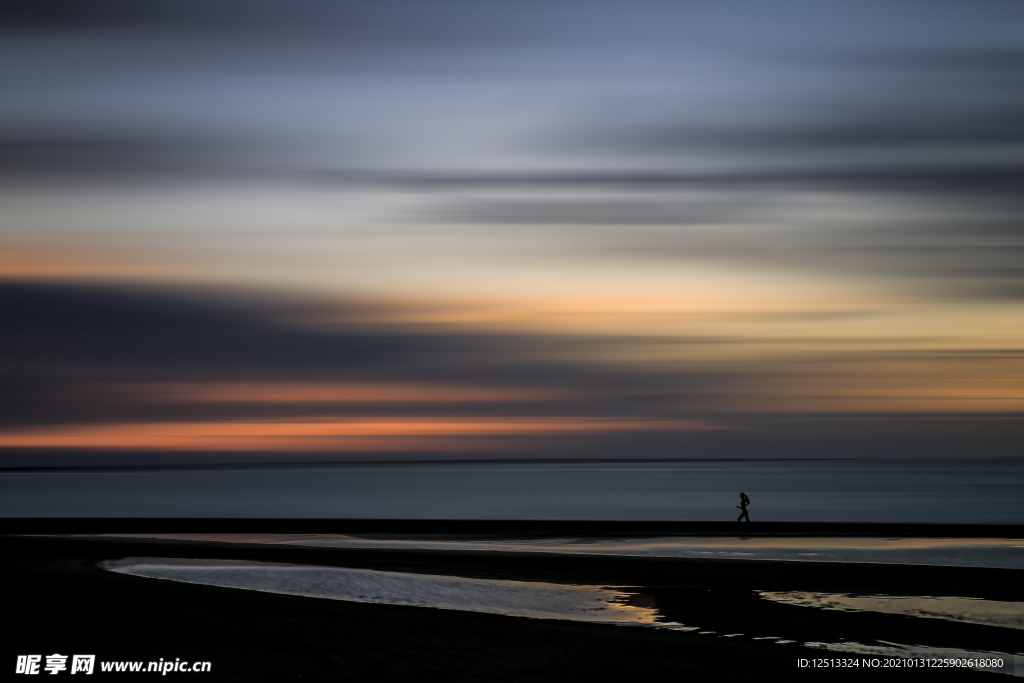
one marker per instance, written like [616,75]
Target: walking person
[744,502]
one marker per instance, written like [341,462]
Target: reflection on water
[590,603]
[513,598]
[968,610]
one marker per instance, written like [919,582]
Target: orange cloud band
[325,435]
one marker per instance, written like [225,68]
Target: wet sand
[964,552]
[66,602]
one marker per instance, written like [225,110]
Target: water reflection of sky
[600,604]
[966,610]
[512,598]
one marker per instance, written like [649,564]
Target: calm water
[980,492]
[600,604]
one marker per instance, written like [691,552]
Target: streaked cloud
[528,228]
[334,436]
[327,392]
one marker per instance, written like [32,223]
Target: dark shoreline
[64,601]
[502,527]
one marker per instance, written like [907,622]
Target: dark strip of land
[61,601]
[109,525]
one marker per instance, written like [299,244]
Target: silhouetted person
[744,502]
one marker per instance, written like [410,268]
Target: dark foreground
[59,601]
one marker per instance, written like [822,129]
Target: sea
[869,490]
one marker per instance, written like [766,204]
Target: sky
[394,230]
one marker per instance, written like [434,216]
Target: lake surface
[909,491]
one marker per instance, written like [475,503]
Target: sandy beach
[67,603]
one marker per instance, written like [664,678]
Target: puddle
[619,605]
[967,610]
[601,604]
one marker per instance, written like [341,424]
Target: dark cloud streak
[75,155]
[391,24]
[59,338]
[967,178]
